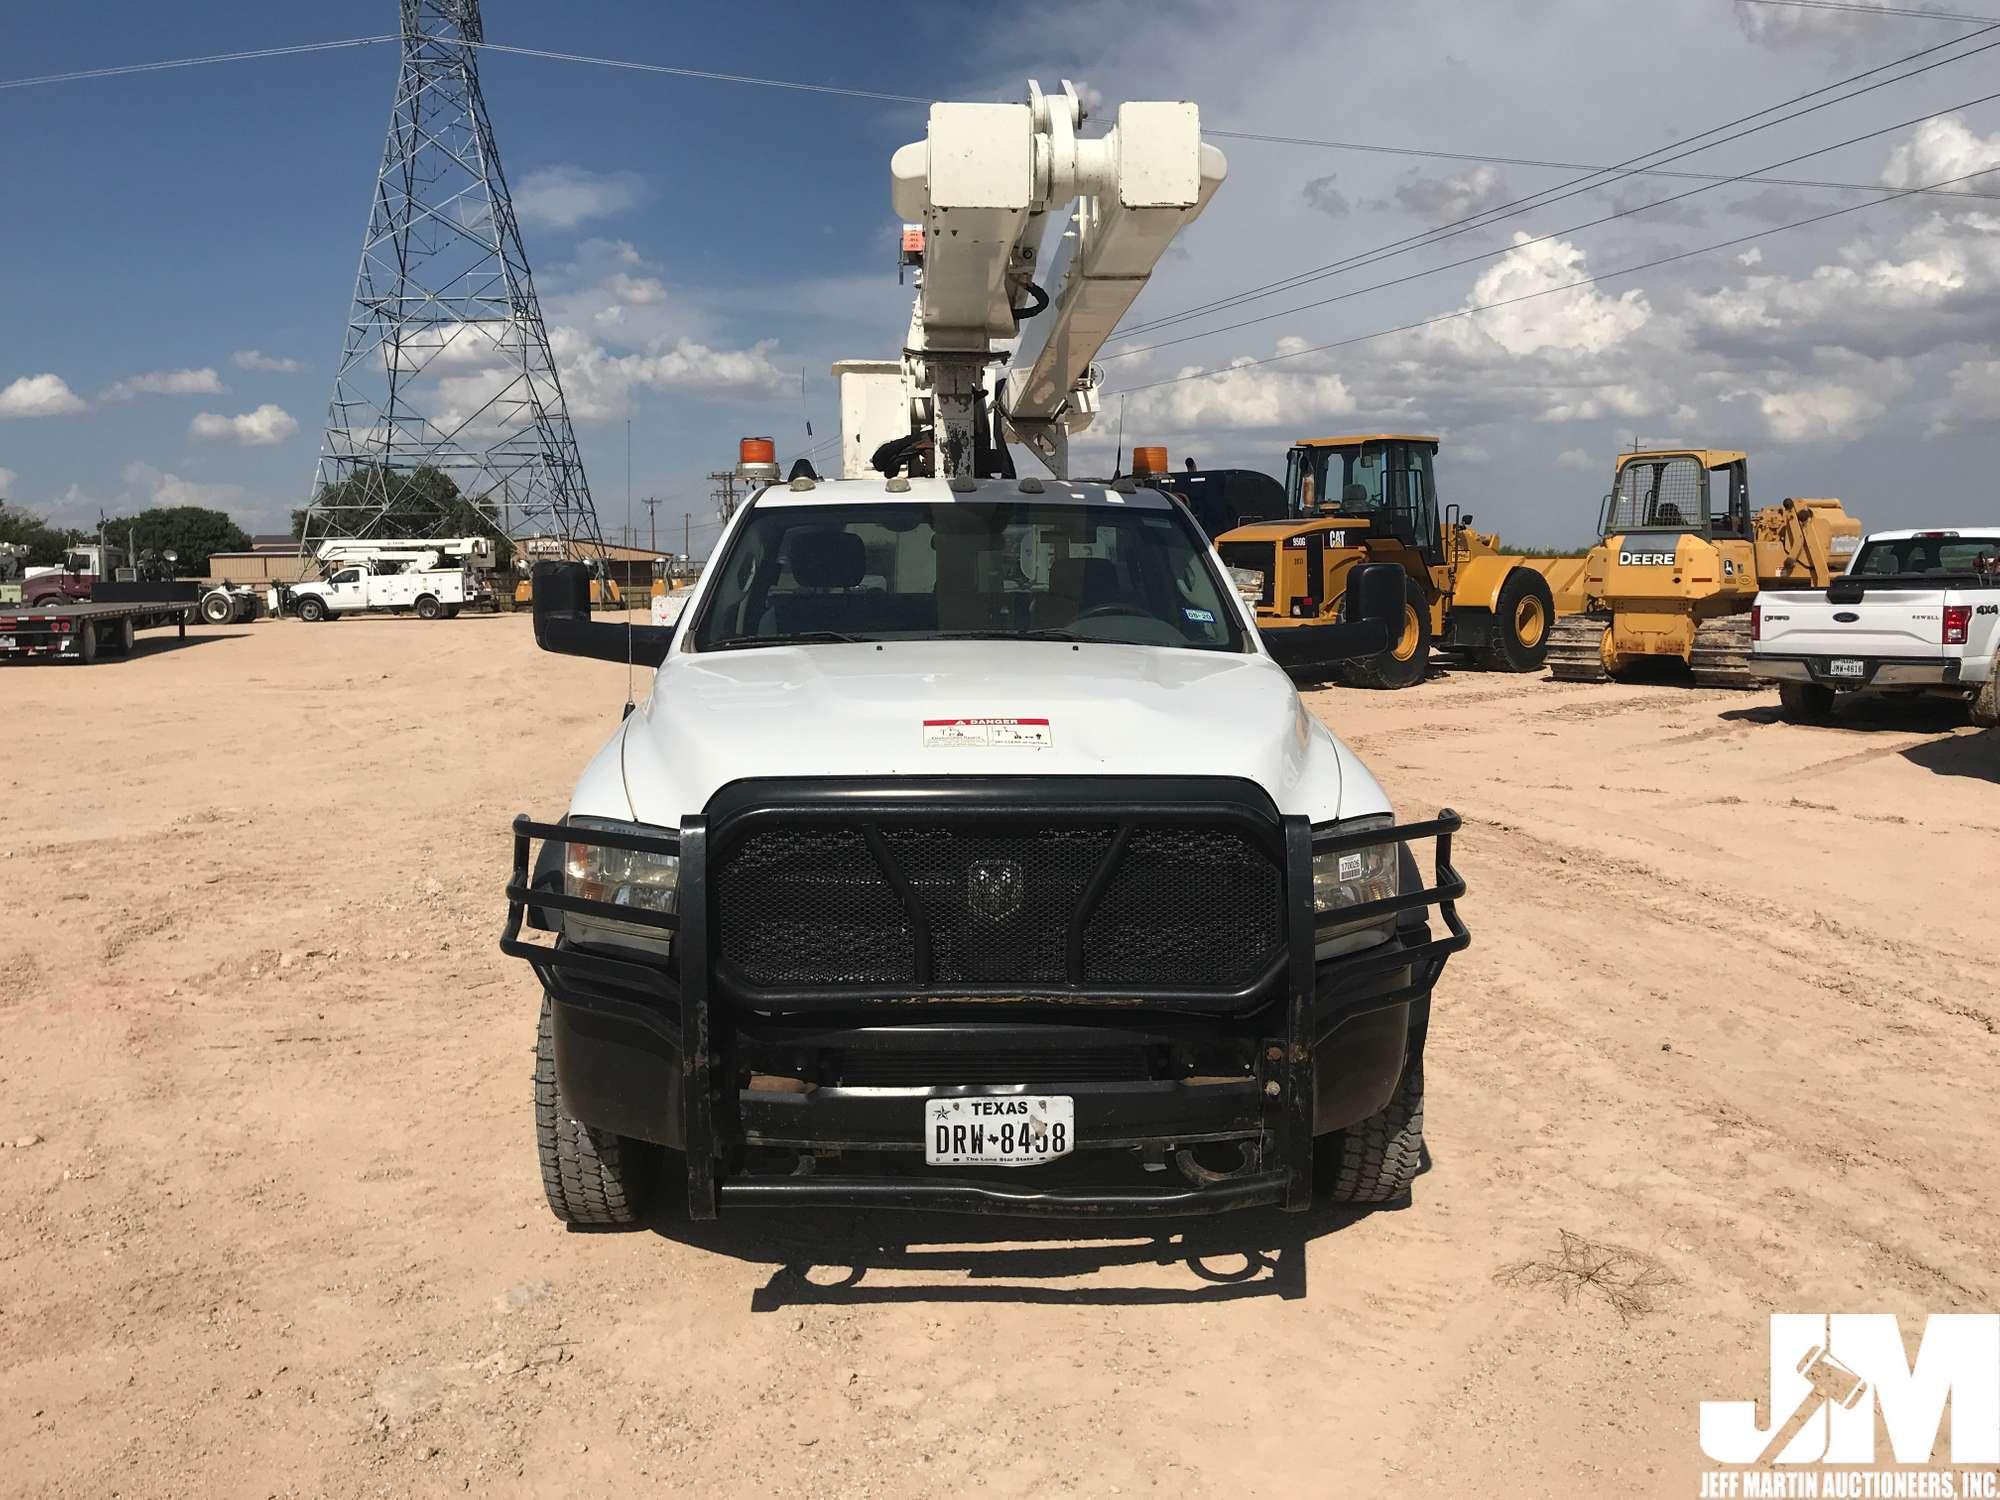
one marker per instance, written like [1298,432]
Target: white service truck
[971,850]
[433,594]
[1916,614]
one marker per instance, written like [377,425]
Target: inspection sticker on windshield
[945,734]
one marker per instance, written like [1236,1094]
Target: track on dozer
[1573,648]
[1721,657]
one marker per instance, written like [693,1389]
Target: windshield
[966,570]
[1930,557]
[1659,494]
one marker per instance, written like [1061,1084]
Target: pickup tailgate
[1907,624]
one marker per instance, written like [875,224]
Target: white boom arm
[982,184]
[421,553]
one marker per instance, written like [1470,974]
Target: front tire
[218,609]
[428,607]
[1408,660]
[312,609]
[1377,1160]
[1522,617]
[590,1177]
[1805,702]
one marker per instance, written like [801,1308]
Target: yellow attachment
[1366,437]
[1708,458]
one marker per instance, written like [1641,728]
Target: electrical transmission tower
[446,369]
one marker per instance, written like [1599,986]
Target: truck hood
[1008,708]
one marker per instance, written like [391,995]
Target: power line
[1376,148]
[1501,254]
[1850,8]
[702,73]
[1557,193]
[123,69]
[1567,286]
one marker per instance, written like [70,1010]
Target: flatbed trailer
[83,632]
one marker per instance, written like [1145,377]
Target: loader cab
[1383,479]
[1703,491]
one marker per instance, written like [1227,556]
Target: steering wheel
[1111,607]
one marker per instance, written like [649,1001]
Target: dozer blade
[1574,654]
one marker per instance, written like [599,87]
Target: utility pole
[652,504]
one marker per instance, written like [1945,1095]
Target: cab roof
[1711,458]
[1030,489]
[1366,437]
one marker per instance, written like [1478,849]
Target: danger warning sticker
[944,734]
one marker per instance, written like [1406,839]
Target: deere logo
[1645,559]
[993,889]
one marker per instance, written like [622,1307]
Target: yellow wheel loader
[1373,498]
[1681,560]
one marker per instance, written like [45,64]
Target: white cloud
[640,291]
[1457,197]
[564,197]
[7,480]
[203,382]
[1264,397]
[1754,256]
[157,487]
[1941,150]
[1324,195]
[599,383]
[1824,411]
[40,396]
[261,428]
[256,359]
[1576,458]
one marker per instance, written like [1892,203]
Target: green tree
[192,532]
[421,502]
[46,544]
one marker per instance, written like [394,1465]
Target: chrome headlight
[634,878]
[1353,877]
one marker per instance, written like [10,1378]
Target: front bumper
[1180,1106]
[1876,671]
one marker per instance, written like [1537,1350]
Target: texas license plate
[1011,1130]
[1844,666]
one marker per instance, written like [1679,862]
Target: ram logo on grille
[993,889]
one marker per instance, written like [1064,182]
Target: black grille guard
[671,995]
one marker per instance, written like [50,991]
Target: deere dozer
[1680,561]
[1373,498]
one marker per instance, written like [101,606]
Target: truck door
[346,590]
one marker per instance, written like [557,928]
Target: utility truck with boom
[435,577]
[971,851]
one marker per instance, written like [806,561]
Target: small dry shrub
[1632,1281]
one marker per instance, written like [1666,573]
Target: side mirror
[563,623]
[1374,618]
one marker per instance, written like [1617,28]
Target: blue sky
[702,243]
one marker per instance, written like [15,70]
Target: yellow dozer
[1681,560]
[1372,498]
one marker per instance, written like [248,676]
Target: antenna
[627,603]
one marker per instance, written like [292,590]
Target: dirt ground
[270,1222]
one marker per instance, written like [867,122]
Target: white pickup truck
[1917,613]
[972,852]
[432,594]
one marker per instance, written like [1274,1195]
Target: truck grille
[991,906]
[937,1068]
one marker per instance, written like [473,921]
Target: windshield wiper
[1045,633]
[792,638]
